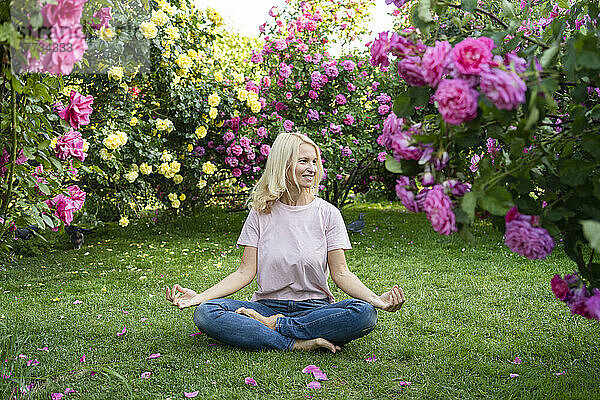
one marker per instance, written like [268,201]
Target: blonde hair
[283,157]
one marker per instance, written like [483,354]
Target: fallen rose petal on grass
[82,359]
[310,368]
[152,356]
[56,396]
[517,360]
[320,375]
[371,359]
[514,375]
[32,362]
[250,381]
[77,302]
[190,395]
[559,373]
[125,312]
[122,332]
[405,383]
[69,390]
[44,349]
[146,375]
[314,385]
[143,319]
[196,334]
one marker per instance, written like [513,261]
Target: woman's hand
[182,297]
[390,301]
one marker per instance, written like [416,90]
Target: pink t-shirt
[292,243]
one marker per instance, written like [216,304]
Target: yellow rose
[175,166]
[238,78]
[212,113]
[201,184]
[190,147]
[256,107]
[214,100]
[148,29]
[115,73]
[134,167]
[131,176]
[124,221]
[172,196]
[219,124]
[175,203]
[201,132]
[133,121]
[209,168]
[173,33]
[242,95]
[178,179]
[105,154]
[182,197]
[163,169]
[165,156]
[145,169]
[159,17]
[219,76]
[86,146]
[184,62]
[106,33]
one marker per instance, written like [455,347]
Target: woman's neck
[297,199]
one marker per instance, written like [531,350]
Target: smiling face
[306,166]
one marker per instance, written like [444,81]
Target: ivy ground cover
[479,322]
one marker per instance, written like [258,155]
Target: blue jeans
[309,319]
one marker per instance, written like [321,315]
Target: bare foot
[312,344]
[269,322]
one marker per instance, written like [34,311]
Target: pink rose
[559,287]
[438,207]
[79,110]
[456,101]
[504,88]
[77,197]
[236,172]
[410,69]
[435,61]
[523,238]
[380,49]
[70,145]
[471,54]
[64,208]
[66,13]
[104,15]
[72,40]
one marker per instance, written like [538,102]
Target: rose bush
[497,122]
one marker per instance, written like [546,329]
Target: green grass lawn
[470,311]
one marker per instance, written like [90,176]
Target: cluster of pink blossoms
[5,160]
[66,45]
[434,200]
[456,73]
[65,206]
[524,236]
[243,154]
[572,291]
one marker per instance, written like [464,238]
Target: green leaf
[468,5]
[508,8]
[591,231]
[44,188]
[403,105]
[549,55]
[392,165]
[424,11]
[591,144]
[48,220]
[532,119]
[497,200]
[575,172]
[563,4]
[468,204]
[588,59]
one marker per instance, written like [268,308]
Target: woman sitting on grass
[291,239]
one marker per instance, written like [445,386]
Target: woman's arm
[351,285]
[182,297]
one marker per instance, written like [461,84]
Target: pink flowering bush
[78,111]
[500,126]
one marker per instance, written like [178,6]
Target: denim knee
[202,317]
[367,315]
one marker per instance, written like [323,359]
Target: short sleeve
[251,231]
[336,233]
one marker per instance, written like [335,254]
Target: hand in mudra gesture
[182,297]
[390,301]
